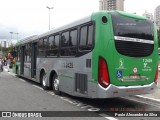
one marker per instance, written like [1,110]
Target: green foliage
[6,50]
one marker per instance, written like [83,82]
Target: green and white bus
[104,55]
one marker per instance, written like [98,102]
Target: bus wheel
[44,81]
[55,85]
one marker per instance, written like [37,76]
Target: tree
[7,50]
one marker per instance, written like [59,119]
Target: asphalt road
[18,94]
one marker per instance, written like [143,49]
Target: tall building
[148,15]
[111,5]
[5,43]
[157,16]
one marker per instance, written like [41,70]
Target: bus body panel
[138,71]
[120,91]
[79,75]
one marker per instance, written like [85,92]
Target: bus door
[22,60]
[33,60]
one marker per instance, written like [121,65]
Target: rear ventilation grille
[81,83]
[134,49]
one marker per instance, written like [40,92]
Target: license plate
[135,76]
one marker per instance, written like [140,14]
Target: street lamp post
[11,34]
[17,35]
[11,38]
[49,14]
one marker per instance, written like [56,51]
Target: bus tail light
[103,74]
[156,77]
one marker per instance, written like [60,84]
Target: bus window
[90,36]
[83,37]
[53,42]
[56,45]
[69,43]
[40,48]
[133,37]
[73,42]
[86,37]
[65,39]
[45,43]
[73,38]
[50,46]
[50,42]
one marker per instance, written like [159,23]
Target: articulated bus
[104,55]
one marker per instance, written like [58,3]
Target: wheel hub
[56,84]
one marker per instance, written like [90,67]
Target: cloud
[5,31]
[22,32]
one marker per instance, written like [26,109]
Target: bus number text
[147,60]
[68,65]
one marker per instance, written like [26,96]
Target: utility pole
[49,8]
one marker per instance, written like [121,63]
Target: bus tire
[55,85]
[44,81]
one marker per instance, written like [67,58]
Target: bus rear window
[132,28]
[133,37]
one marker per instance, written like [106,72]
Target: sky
[31,17]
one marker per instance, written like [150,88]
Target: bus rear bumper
[119,91]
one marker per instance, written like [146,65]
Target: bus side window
[86,37]
[40,48]
[73,42]
[65,39]
[50,42]
[69,43]
[50,46]
[53,43]
[83,37]
[56,45]
[90,36]
[45,42]
[64,44]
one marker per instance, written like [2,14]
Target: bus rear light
[156,77]
[103,75]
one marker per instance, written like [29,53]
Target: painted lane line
[11,73]
[37,87]
[51,93]
[22,80]
[107,117]
[146,102]
[157,100]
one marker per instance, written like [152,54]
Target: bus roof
[130,15]
[35,37]
[78,22]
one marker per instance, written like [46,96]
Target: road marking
[149,98]
[51,93]
[107,117]
[22,80]
[37,87]
[145,102]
